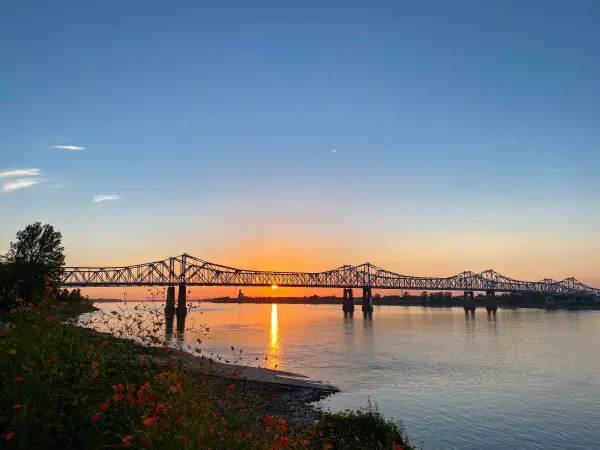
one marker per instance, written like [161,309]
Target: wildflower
[130,401]
[282,422]
[95,417]
[397,446]
[131,389]
[104,406]
[269,419]
[13,310]
[50,361]
[327,447]
[234,374]
[12,351]
[8,436]
[145,387]
[13,325]
[230,388]
[145,442]
[17,379]
[17,406]
[175,389]
[284,441]
[150,421]
[179,420]
[94,365]
[118,397]
[118,387]
[153,397]
[51,319]
[211,430]
[304,443]
[184,438]
[125,441]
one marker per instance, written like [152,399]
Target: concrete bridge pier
[469,302]
[181,300]
[170,307]
[367,302]
[491,304]
[348,303]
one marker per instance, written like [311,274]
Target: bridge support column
[491,304]
[367,302]
[348,302]
[182,300]
[469,301]
[170,307]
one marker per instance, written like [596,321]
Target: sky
[426,137]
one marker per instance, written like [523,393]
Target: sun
[274,286]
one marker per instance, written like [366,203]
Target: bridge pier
[469,302]
[367,302]
[170,307]
[348,302]
[182,300]
[491,304]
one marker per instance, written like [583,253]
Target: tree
[36,259]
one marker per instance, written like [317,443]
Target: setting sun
[274,286]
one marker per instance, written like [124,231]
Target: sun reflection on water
[274,349]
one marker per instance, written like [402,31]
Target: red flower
[125,441]
[304,443]
[119,387]
[284,441]
[8,436]
[235,374]
[230,388]
[397,447]
[269,419]
[95,417]
[184,438]
[17,379]
[104,406]
[145,442]
[152,397]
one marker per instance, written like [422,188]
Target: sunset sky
[426,137]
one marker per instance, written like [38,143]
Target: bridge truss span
[191,271]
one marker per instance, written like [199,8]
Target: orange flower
[131,389]
[12,351]
[235,374]
[150,421]
[211,430]
[50,319]
[327,447]
[145,387]
[184,438]
[118,387]
[130,401]
[282,422]
[94,365]
[50,361]
[304,443]
[397,446]
[95,417]
[8,436]
[17,379]
[13,310]
[269,419]
[284,441]
[104,406]
[14,325]
[230,388]
[175,389]
[125,441]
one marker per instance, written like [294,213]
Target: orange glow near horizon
[274,286]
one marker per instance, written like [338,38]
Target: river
[526,379]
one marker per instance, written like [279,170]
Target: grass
[67,387]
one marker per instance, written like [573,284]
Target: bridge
[185,270]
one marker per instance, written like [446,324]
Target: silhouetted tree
[36,259]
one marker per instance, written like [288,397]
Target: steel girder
[185,269]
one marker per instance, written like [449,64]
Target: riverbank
[63,386]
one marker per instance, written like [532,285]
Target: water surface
[521,379]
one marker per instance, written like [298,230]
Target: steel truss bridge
[185,270]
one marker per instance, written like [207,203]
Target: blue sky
[466,132]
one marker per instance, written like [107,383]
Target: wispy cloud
[20,184]
[19,173]
[73,148]
[103,198]
[54,186]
